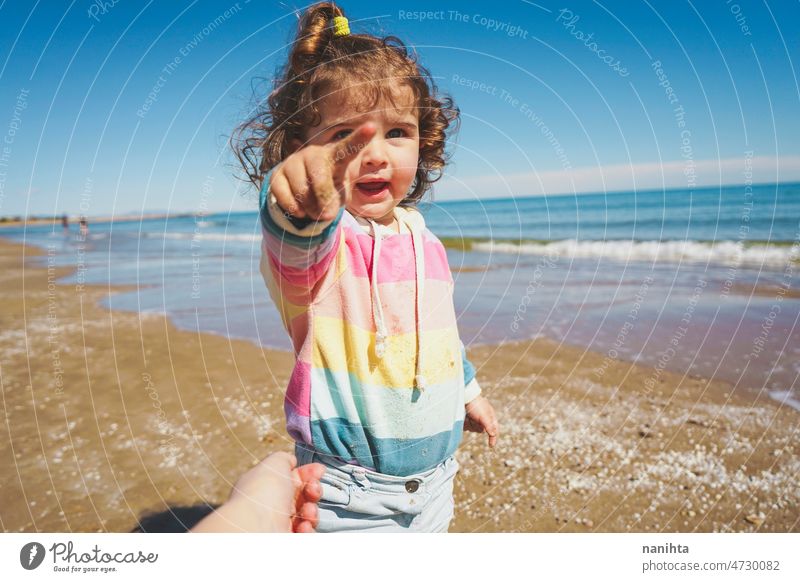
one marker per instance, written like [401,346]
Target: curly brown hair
[321,64]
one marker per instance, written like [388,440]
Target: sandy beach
[113,416]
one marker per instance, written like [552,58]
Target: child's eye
[338,135]
[402,132]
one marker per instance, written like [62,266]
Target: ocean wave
[725,253]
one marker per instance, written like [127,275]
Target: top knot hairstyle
[320,64]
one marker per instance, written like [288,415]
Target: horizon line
[153,214]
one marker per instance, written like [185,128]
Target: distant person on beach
[84,227]
[65,223]
[273,496]
[349,141]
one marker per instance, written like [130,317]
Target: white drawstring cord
[377,309]
[419,267]
[381,334]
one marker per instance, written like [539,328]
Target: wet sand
[112,416]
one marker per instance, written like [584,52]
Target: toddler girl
[352,137]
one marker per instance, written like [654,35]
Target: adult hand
[273,496]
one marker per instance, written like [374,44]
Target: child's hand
[311,181]
[480,418]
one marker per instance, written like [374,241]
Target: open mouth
[372,188]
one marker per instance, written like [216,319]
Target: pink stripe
[352,301]
[292,256]
[300,276]
[397,259]
[289,292]
[298,392]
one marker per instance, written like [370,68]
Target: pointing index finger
[348,148]
[343,152]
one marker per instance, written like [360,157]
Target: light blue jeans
[355,499]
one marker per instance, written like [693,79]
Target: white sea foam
[727,253]
[786,397]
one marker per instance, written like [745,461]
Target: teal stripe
[469,369]
[353,443]
[262,194]
[305,242]
[389,411]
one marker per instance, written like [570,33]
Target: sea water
[664,278]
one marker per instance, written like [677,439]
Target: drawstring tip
[380,348]
[421,382]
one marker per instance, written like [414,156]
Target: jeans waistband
[357,472]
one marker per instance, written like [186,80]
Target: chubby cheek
[406,169]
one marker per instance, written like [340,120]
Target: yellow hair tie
[340,26]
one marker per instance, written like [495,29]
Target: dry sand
[111,416]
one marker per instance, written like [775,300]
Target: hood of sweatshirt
[410,221]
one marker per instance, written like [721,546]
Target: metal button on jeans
[412,486]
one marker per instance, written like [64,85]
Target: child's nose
[374,153]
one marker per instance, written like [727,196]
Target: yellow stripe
[335,340]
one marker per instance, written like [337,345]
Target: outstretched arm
[301,204]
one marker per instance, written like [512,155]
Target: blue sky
[555,97]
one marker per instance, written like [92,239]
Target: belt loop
[360,475]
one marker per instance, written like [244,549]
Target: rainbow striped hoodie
[381,376]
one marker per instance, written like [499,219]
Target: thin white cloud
[622,177]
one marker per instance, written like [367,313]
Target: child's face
[391,156]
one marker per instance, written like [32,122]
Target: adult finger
[311,472]
[308,512]
[306,519]
[309,493]
[312,491]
